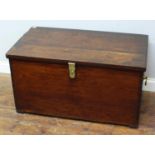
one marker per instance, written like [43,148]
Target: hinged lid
[116,50]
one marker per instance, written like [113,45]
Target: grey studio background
[11,31]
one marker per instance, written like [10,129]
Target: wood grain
[80,56]
[118,50]
[96,94]
[109,73]
[12,123]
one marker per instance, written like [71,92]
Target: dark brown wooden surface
[118,50]
[110,93]
[96,94]
[15,123]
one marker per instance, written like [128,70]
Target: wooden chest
[78,74]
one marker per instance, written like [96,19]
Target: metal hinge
[72,70]
[145,80]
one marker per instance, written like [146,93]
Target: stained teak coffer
[79,74]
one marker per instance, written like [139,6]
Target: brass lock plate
[72,70]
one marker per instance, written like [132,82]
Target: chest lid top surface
[117,50]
